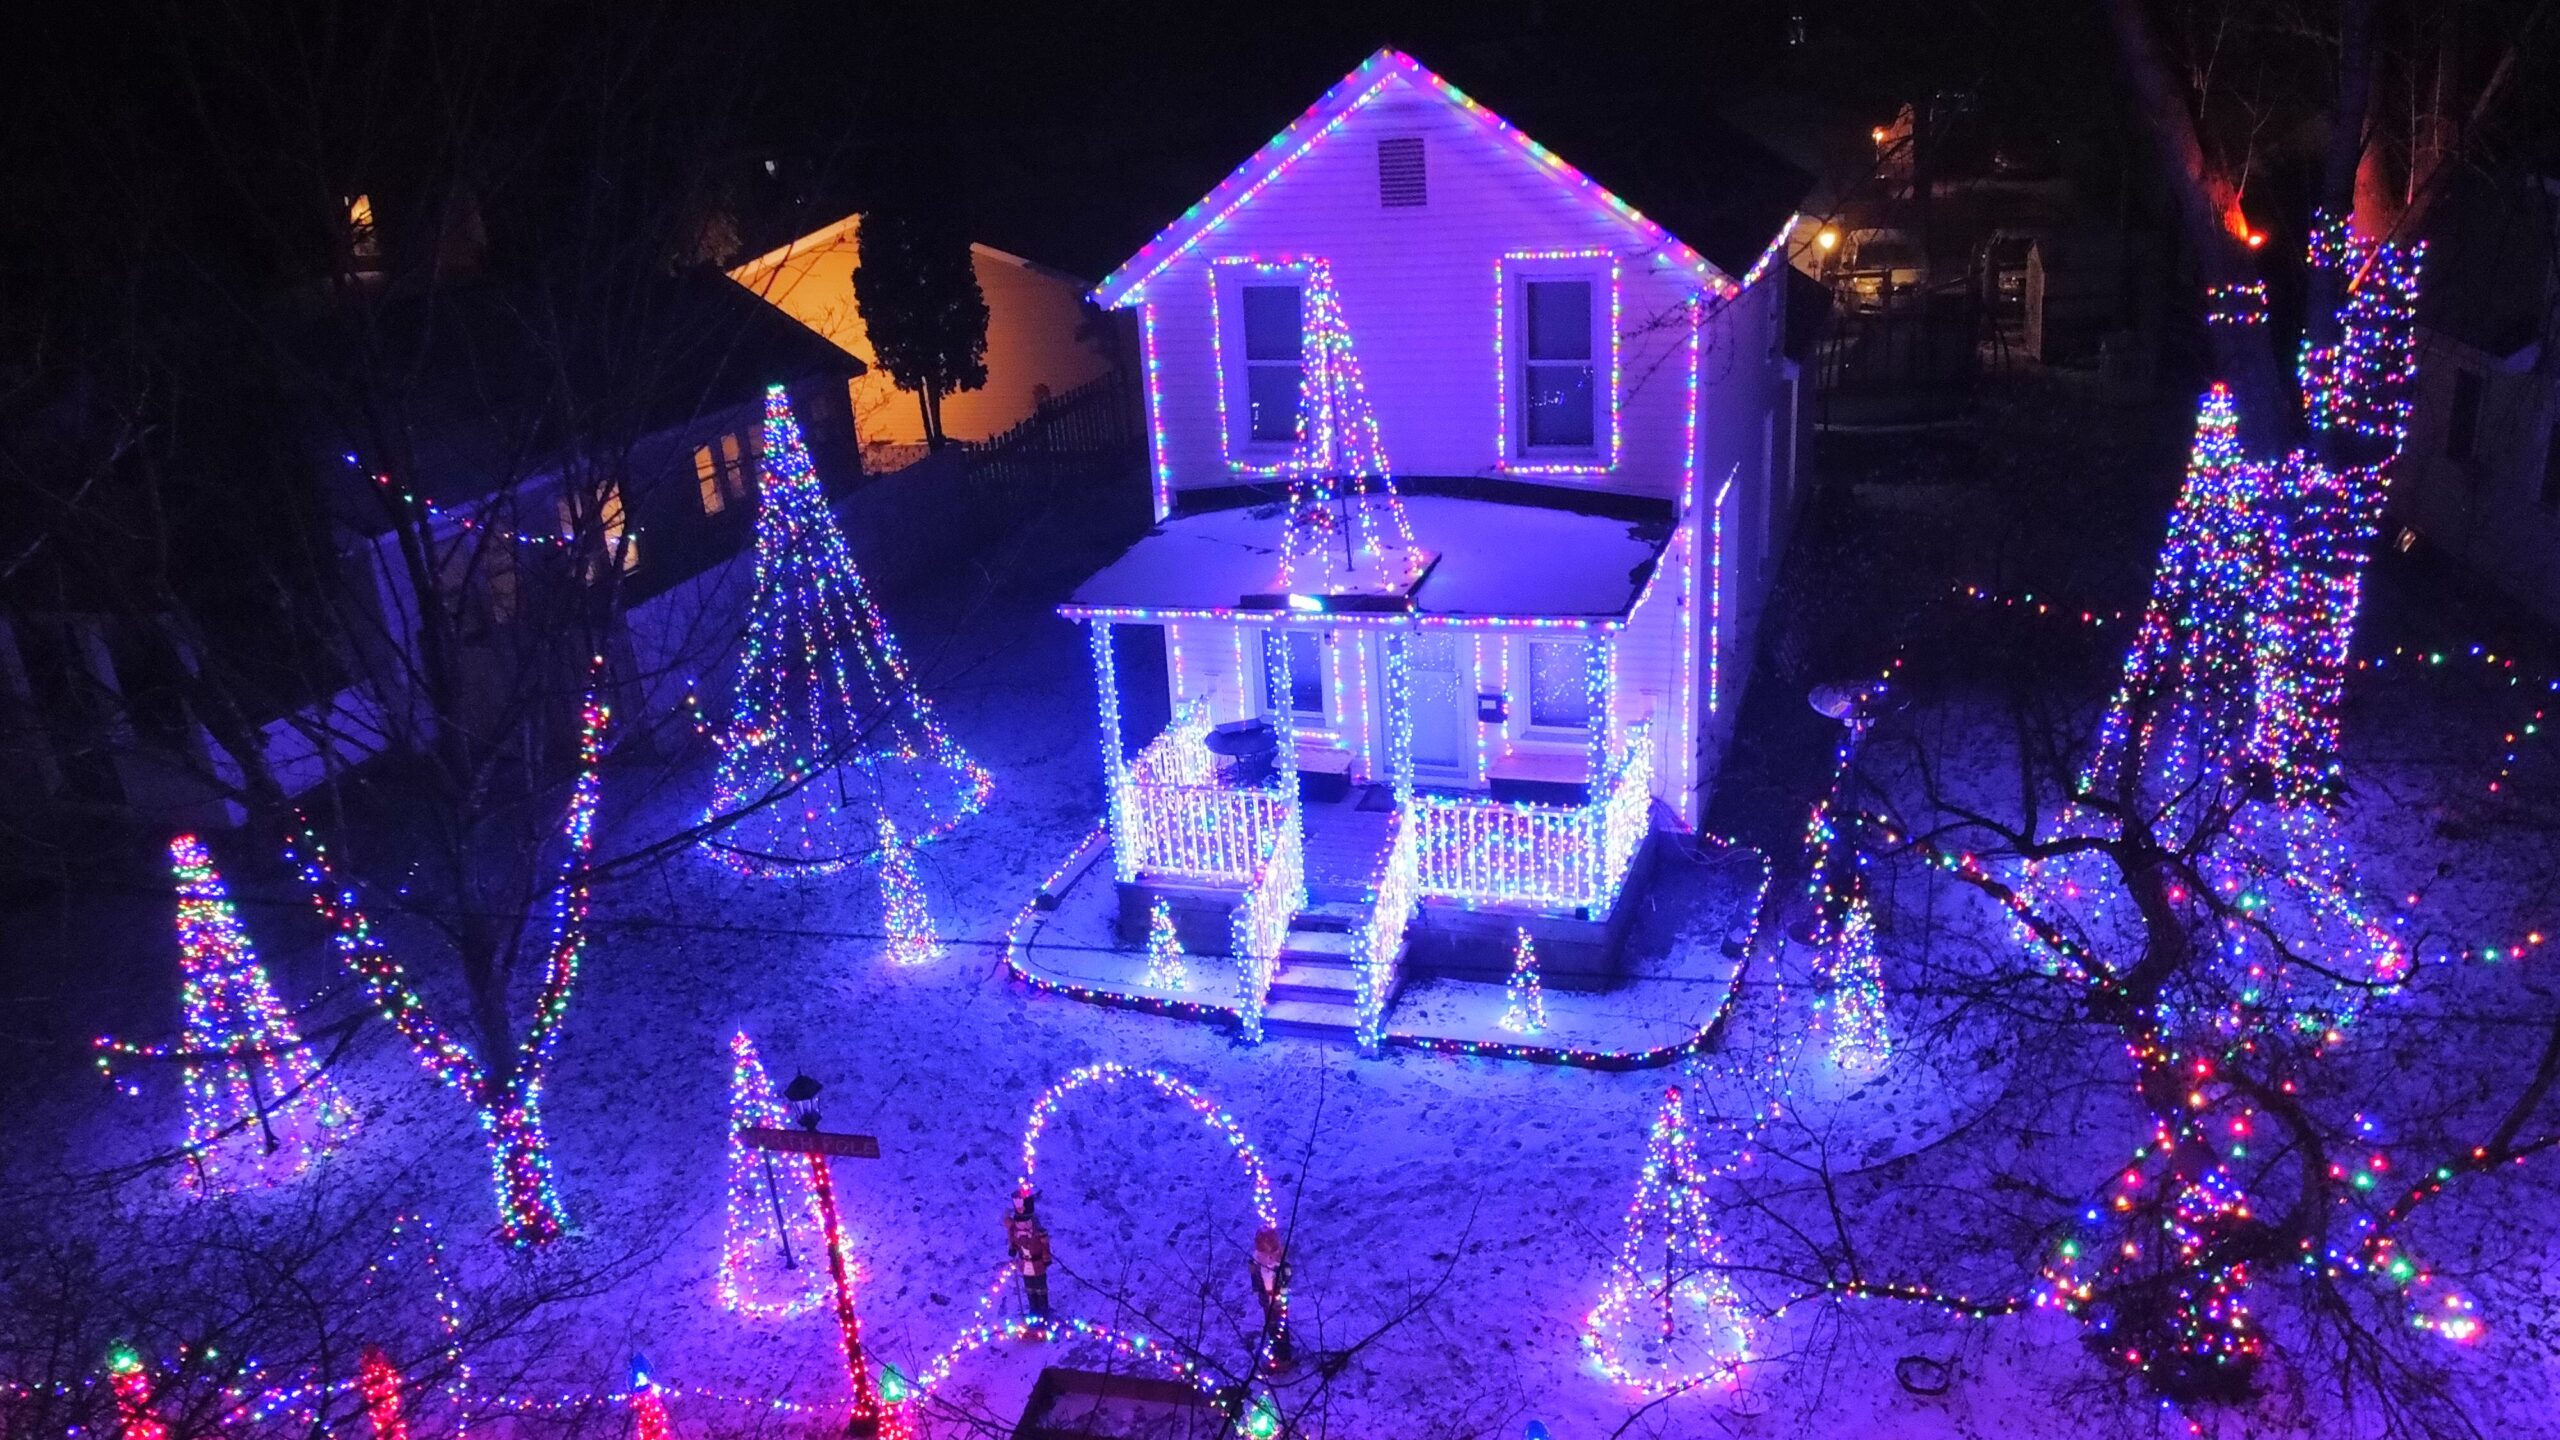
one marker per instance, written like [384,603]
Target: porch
[1353,783]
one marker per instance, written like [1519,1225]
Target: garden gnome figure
[1028,1243]
[1271,1287]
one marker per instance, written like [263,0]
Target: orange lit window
[707,476]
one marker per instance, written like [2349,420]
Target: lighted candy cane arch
[983,1330]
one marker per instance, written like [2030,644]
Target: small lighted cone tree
[1165,968]
[912,938]
[1668,1318]
[1524,1008]
[648,1404]
[1346,527]
[503,1082]
[828,733]
[130,1383]
[773,1247]
[258,1106]
[1860,1042]
[378,1382]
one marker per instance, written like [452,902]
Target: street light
[802,1095]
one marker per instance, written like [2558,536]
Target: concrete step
[1316,944]
[1316,984]
[1307,1020]
[1330,915]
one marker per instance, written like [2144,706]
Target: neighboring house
[2480,478]
[96,707]
[1039,341]
[1591,427]
[660,478]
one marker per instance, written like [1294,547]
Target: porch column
[1397,704]
[1600,674]
[1278,676]
[1115,763]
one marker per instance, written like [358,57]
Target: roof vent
[1401,179]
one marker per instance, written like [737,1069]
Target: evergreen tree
[915,282]
[828,734]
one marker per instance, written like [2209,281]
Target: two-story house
[1469,476]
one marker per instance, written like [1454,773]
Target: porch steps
[1315,989]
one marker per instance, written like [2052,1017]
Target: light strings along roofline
[1127,285]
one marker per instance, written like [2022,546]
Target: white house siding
[1649,674]
[1417,290]
[2487,509]
[1746,433]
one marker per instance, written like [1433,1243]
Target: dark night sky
[1067,132]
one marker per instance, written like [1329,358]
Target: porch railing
[1380,941]
[1277,892]
[1560,856]
[1171,818]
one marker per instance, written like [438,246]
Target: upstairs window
[1274,362]
[1556,375]
[1403,182]
[720,471]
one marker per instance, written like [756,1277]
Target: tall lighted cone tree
[828,734]
[258,1107]
[500,1073]
[1668,1318]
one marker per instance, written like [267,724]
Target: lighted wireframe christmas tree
[912,938]
[378,1382]
[1860,1043]
[259,1107]
[1165,968]
[828,733]
[1524,1007]
[1668,1318]
[648,1404]
[1346,528]
[773,1258]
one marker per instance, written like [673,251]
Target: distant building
[1041,337]
[2480,479]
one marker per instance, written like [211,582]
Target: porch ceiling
[1496,562]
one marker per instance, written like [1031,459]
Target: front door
[1438,698]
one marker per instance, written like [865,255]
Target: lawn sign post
[819,1145]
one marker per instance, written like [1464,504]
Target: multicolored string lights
[505,1088]
[259,1108]
[1524,1001]
[1668,1318]
[827,731]
[772,1240]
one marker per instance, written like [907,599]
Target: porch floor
[1346,848]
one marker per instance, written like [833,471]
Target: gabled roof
[1725,266]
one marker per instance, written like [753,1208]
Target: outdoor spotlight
[1828,238]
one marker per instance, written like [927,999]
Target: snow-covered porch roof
[1496,564]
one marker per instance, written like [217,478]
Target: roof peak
[1363,83]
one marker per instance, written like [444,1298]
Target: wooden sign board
[812,1142]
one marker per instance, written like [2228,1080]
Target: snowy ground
[1450,1220]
